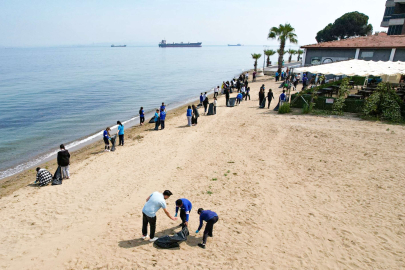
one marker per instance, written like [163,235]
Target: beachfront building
[381,47]
[394,17]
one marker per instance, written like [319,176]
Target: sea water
[50,96]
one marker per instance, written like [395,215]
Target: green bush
[358,80]
[384,103]
[285,108]
[307,108]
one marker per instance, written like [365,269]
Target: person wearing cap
[153,203]
[211,218]
[185,209]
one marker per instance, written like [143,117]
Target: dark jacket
[196,114]
[205,102]
[63,158]
[270,95]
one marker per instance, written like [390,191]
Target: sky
[44,23]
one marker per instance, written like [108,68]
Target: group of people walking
[157,200]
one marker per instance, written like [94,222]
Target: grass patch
[285,108]
[209,192]
[228,171]
[214,179]
[225,174]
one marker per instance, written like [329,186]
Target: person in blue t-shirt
[120,133]
[211,218]
[162,119]
[163,107]
[201,99]
[106,138]
[156,119]
[282,96]
[189,115]
[141,116]
[185,209]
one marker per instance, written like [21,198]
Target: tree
[256,56]
[352,24]
[299,52]
[283,33]
[269,53]
[291,52]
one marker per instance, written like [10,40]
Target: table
[327,91]
[355,96]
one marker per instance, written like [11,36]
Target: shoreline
[81,151]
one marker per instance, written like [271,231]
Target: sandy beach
[292,192]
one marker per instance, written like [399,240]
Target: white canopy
[357,67]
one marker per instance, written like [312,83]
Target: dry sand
[292,192]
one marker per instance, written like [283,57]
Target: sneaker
[153,239]
[145,236]
[201,246]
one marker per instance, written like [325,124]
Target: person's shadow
[137,242]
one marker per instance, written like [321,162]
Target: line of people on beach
[157,200]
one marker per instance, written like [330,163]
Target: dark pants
[227,101]
[215,94]
[247,95]
[205,108]
[208,228]
[152,222]
[162,124]
[121,139]
[183,216]
[194,120]
[142,119]
[238,101]
[157,125]
[268,106]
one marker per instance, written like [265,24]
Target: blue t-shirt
[155,202]
[105,134]
[205,216]
[120,129]
[282,97]
[162,115]
[189,112]
[239,96]
[156,116]
[201,99]
[186,207]
[142,113]
[162,108]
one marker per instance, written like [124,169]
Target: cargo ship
[234,45]
[118,45]
[164,44]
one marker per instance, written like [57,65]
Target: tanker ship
[164,44]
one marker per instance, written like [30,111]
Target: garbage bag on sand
[57,177]
[172,241]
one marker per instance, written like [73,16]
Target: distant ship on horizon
[118,45]
[234,45]
[164,44]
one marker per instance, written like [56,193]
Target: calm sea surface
[50,96]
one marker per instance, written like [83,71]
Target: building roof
[380,41]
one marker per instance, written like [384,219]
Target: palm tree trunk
[289,58]
[298,58]
[280,57]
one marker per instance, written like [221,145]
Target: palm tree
[299,52]
[282,58]
[291,52]
[256,56]
[283,33]
[269,53]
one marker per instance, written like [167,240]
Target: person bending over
[153,203]
[211,218]
[43,178]
[185,209]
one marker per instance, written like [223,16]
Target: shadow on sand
[137,242]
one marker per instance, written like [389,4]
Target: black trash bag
[113,141]
[172,241]
[57,177]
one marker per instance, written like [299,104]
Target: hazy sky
[26,23]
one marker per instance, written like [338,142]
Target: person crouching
[211,218]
